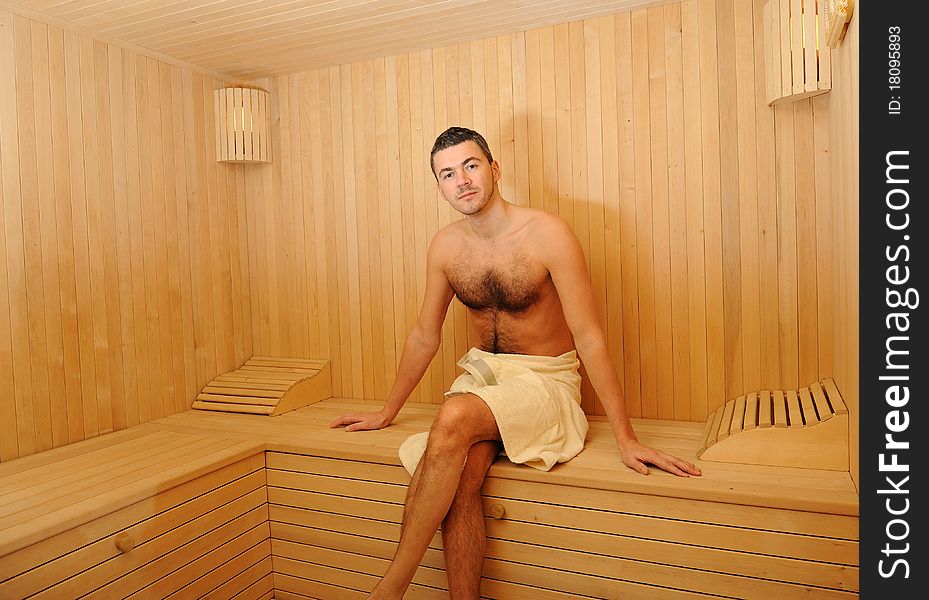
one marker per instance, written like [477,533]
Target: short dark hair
[454,136]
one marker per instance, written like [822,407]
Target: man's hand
[362,421]
[636,456]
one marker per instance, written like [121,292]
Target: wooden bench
[589,527]
[143,512]
[317,514]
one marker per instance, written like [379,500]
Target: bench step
[806,428]
[267,385]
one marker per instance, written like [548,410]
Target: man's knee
[454,423]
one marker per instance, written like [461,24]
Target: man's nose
[462,178]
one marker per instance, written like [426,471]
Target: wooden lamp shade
[243,125]
[797,60]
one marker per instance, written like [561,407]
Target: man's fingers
[344,420]
[639,466]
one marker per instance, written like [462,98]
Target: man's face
[465,178]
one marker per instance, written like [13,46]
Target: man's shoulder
[546,225]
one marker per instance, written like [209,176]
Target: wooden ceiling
[245,39]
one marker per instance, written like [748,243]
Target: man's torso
[512,303]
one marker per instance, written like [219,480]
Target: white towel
[534,399]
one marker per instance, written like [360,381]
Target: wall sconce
[797,61]
[837,14]
[243,124]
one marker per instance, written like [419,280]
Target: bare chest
[485,283]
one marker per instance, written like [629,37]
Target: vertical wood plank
[644,218]
[693,193]
[627,217]
[31,225]
[17,411]
[661,249]
[112,416]
[712,208]
[677,209]
[612,321]
[66,409]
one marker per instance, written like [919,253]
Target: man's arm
[420,347]
[564,259]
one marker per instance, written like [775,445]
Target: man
[522,275]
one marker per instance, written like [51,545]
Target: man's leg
[462,421]
[463,534]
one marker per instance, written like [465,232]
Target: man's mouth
[466,193]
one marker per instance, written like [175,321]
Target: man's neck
[494,220]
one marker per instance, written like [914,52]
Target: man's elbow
[589,341]
[424,339]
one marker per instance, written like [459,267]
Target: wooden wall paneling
[242,292]
[612,315]
[373,95]
[550,143]
[643,130]
[508,85]
[308,246]
[114,415]
[272,189]
[318,106]
[644,220]
[66,409]
[182,309]
[387,202]
[632,376]
[360,163]
[678,320]
[693,193]
[322,234]
[750,293]
[351,210]
[149,303]
[419,186]
[534,116]
[807,343]
[661,250]
[286,219]
[407,285]
[102,308]
[562,164]
[446,81]
[843,238]
[596,167]
[48,245]
[766,183]
[393,246]
[136,302]
[31,225]
[161,299]
[579,195]
[114,65]
[787,244]
[825,298]
[258,237]
[729,127]
[514,68]
[16,414]
[437,104]
[712,209]
[79,235]
[223,264]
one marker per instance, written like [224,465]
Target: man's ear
[495,167]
